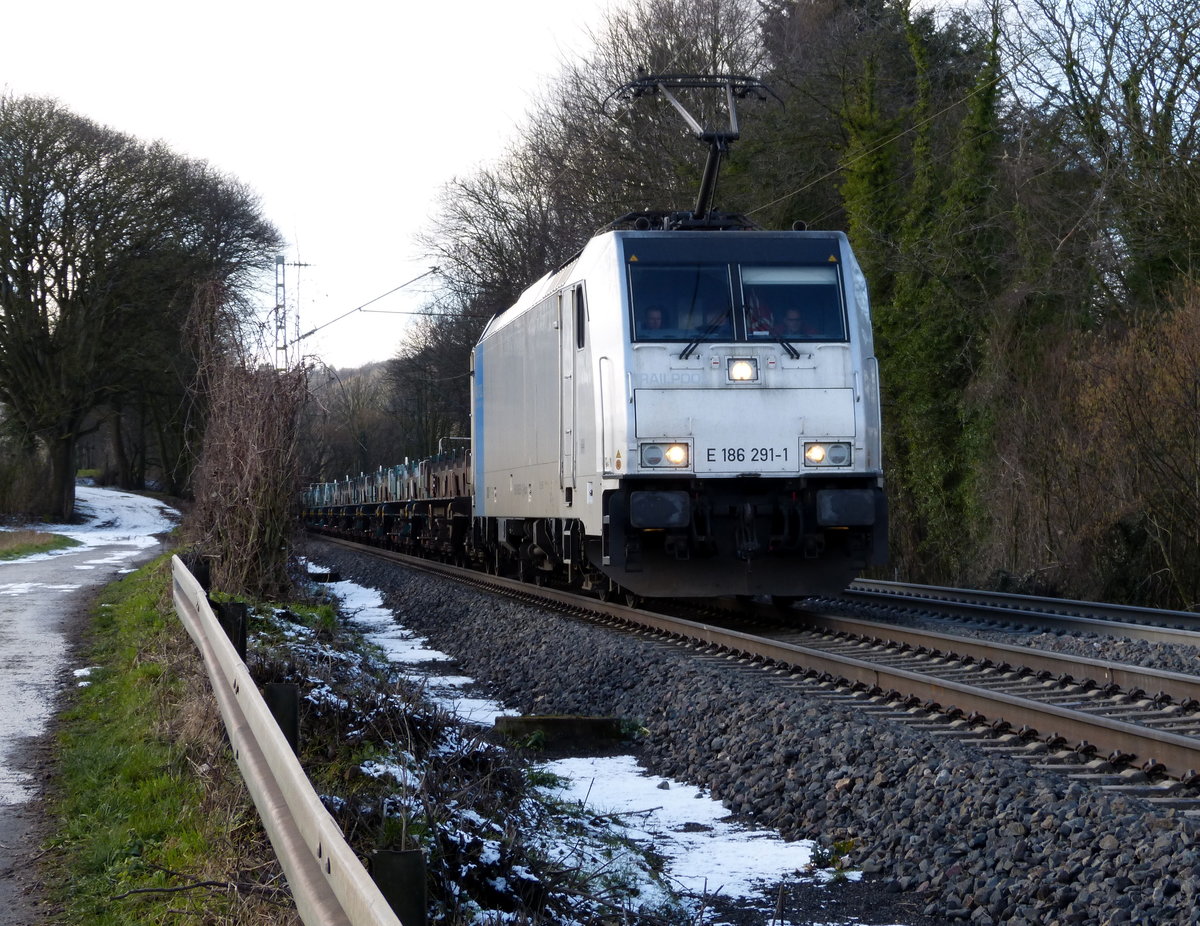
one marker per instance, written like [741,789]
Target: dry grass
[15,544]
[10,539]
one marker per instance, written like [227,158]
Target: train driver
[653,324]
[794,326]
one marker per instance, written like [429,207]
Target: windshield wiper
[703,336]
[792,352]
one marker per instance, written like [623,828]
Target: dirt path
[44,606]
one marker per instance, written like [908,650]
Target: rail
[329,884]
[1177,754]
[1178,685]
[1151,624]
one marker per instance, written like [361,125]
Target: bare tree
[1144,393]
[430,380]
[583,159]
[77,215]
[608,156]
[1125,75]
[100,236]
[247,479]
[353,422]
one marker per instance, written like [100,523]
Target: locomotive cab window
[580,318]
[793,303]
[693,302]
[681,302]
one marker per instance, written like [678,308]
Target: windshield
[681,303]
[793,303]
[696,302]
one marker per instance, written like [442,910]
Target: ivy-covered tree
[916,186]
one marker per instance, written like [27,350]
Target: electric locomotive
[686,413]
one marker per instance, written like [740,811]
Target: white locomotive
[685,413]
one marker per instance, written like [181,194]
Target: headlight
[827,454]
[664,455]
[677,454]
[743,370]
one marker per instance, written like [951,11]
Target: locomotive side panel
[516,423]
[593,295]
[865,368]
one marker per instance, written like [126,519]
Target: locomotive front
[744,454]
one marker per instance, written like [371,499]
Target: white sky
[347,118]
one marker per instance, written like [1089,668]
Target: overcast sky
[345,117]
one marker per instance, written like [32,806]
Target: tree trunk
[60,496]
[116,435]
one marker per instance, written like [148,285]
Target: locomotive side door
[571,332]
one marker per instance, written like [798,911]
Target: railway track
[1028,702]
[1055,614]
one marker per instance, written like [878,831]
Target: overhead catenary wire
[606,118]
[360,308]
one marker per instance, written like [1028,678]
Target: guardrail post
[200,567]
[232,616]
[283,700]
[400,876]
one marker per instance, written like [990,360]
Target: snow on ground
[37,595]
[708,854]
[111,518]
[705,853]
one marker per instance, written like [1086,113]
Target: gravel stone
[942,831]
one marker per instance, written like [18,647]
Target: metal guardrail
[328,882]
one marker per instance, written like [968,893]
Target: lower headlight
[664,455]
[835,454]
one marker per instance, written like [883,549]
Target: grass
[154,825]
[153,822]
[16,544]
